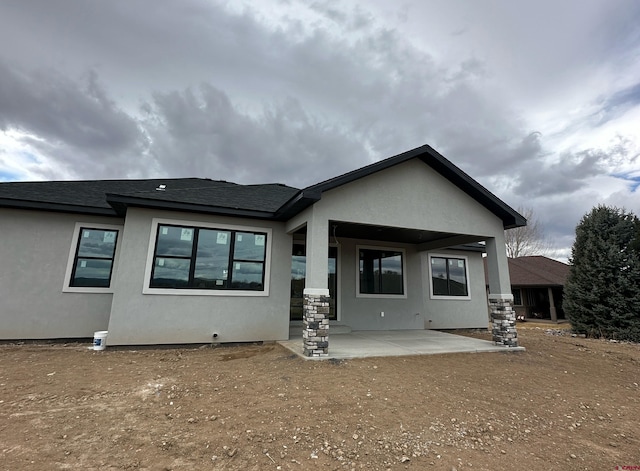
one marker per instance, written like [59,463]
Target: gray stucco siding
[409,195]
[416,308]
[181,317]
[441,313]
[34,249]
[362,312]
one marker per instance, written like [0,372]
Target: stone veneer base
[315,319]
[503,321]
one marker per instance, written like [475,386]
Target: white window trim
[466,269]
[338,299]
[204,292]
[404,273]
[72,256]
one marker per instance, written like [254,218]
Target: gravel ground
[566,403]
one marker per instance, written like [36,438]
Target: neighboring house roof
[536,271]
[270,201]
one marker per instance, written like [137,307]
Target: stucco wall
[364,313]
[34,250]
[138,318]
[409,195]
[454,313]
[417,310]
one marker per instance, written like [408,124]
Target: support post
[503,320]
[503,317]
[315,319]
[553,313]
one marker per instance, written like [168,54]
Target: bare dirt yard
[566,403]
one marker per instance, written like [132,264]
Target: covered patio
[398,246]
[386,343]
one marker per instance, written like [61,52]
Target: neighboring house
[537,285]
[393,245]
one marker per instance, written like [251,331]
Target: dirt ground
[566,403]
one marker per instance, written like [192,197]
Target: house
[393,245]
[537,284]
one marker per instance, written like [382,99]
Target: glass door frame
[296,292]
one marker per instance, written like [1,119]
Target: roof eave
[509,216]
[300,201]
[120,204]
[56,207]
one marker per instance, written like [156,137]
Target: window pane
[170,272]
[517,297]
[249,246]
[247,275]
[439,276]
[98,243]
[175,241]
[391,273]
[202,258]
[212,259]
[457,277]
[380,272]
[92,272]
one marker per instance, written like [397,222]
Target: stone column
[315,319]
[503,320]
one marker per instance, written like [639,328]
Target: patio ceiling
[429,239]
[384,233]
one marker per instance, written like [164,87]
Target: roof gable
[444,167]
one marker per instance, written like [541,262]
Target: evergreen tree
[602,292]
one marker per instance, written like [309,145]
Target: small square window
[381,271]
[448,276]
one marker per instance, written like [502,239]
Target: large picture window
[381,271]
[94,258]
[449,276]
[190,257]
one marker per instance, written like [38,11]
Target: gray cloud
[201,132]
[568,174]
[73,120]
[215,89]
[320,97]
[619,103]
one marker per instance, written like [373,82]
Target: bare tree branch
[529,239]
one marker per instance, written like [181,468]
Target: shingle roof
[535,271]
[93,196]
[266,198]
[270,201]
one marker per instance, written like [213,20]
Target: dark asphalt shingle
[535,270]
[198,191]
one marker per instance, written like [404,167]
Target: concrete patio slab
[371,343]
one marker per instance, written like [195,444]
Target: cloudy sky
[539,101]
